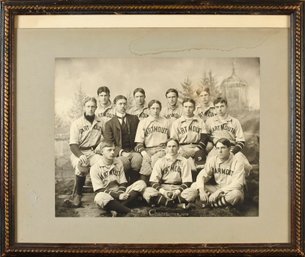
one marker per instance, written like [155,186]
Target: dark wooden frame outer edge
[9,9]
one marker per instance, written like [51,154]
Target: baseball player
[229,174]
[109,182]
[85,135]
[170,179]
[139,107]
[173,110]
[205,109]
[225,126]
[152,134]
[105,111]
[191,133]
[121,130]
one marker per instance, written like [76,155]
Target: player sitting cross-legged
[109,182]
[170,179]
[229,174]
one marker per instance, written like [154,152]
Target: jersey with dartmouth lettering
[228,128]
[205,112]
[105,113]
[152,132]
[103,175]
[172,113]
[171,171]
[228,174]
[141,111]
[188,130]
[85,134]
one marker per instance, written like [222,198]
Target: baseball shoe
[185,206]
[74,203]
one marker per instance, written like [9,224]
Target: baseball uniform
[104,114]
[229,128]
[205,112]
[109,181]
[171,174]
[189,131]
[229,176]
[152,134]
[172,113]
[87,136]
[141,111]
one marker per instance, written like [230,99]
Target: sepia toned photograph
[157,137]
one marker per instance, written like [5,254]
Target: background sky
[155,75]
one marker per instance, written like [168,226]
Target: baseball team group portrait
[157,137]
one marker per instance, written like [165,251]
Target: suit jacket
[113,131]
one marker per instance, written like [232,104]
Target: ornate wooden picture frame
[10,246]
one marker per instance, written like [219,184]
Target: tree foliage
[187,89]
[76,109]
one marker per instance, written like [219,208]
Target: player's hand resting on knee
[123,196]
[203,196]
[214,197]
[83,160]
[167,194]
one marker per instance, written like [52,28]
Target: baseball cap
[101,145]
[200,157]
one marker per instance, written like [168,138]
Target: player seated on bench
[170,179]
[152,134]
[229,174]
[109,182]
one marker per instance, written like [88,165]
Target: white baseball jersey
[152,132]
[102,175]
[169,171]
[105,113]
[205,112]
[188,130]
[85,134]
[141,111]
[228,128]
[172,113]
[229,174]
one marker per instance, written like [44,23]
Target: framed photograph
[152,129]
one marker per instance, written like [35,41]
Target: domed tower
[234,89]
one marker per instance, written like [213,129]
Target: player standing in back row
[205,108]
[105,111]
[173,110]
[139,108]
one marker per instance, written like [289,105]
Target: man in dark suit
[121,130]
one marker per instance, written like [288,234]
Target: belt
[188,144]
[88,148]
